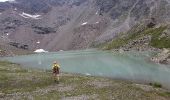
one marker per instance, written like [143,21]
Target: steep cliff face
[75,24]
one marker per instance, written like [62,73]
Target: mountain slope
[76,24]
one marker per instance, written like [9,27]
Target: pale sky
[6,0]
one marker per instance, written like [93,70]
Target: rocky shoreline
[142,44]
[162,57]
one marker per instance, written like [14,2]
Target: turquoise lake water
[133,66]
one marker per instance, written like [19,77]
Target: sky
[6,0]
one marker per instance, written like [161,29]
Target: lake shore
[18,83]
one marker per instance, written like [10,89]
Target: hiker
[56,71]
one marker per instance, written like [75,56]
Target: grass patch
[165,94]
[130,36]
[156,40]
[16,79]
[115,44]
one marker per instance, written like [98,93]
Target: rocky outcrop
[140,44]
[163,57]
[43,30]
[18,45]
[2,53]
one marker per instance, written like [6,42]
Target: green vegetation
[19,83]
[16,79]
[116,43]
[156,40]
[165,94]
[156,85]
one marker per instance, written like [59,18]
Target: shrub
[156,85]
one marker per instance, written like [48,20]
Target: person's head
[55,62]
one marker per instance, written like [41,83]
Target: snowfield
[25,15]
[6,0]
[40,51]
[84,23]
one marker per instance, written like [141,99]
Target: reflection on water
[129,65]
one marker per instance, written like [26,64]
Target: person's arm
[58,66]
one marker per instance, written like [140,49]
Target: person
[56,71]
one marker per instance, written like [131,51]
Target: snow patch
[84,23]
[96,12]
[97,22]
[40,51]
[25,15]
[38,42]
[6,0]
